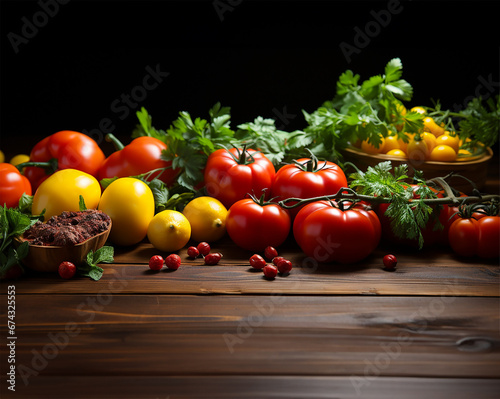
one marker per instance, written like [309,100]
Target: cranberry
[67,270]
[156,262]
[257,261]
[204,248]
[284,266]
[270,253]
[270,271]
[173,261]
[390,262]
[277,260]
[213,258]
[193,252]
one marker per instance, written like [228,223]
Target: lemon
[169,231]
[207,217]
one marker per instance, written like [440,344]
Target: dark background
[271,58]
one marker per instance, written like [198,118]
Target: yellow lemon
[207,217]
[169,231]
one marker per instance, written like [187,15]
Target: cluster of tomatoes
[433,143]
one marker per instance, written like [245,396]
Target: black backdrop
[69,64]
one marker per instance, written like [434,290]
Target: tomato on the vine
[480,237]
[232,174]
[331,232]
[255,224]
[307,178]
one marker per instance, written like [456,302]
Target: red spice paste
[68,228]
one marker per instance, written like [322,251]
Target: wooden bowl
[46,258]
[475,169]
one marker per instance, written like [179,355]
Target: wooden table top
[430,329]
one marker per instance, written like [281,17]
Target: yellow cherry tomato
[2,157]
[396,153]
[19,158]
[451,141]
[443,153]
[404,145]
[430,139]
[391,143]
[130,204]
[417,150]
[418,109]
[61,192]
[371,149]
[431,126]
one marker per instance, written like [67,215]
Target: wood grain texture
[275,335]
[429,272]
[252,387]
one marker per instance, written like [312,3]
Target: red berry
[213,259]
[277,260]
[257,261]
[204,248]
[390,262]
[173,261]
[270,271]
[193,252]
[284,266]
[156,262]
[270,253]
[67,270]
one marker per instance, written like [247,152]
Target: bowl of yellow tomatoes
[434,151]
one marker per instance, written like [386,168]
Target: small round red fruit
[193,252]
[277,259]
[67,270]
[270,253]
[173,261]
[270,271]
[390,262]
[204,248]
[257,261]
[284,266]
[213,258]
[156,262]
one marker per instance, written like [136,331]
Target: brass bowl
[46,258]
[475,169]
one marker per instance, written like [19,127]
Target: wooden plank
[429,272]
[262,387]
[158,335]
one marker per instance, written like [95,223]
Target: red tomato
[471,237]
[73,150]
[232,174]
[12,185]
[307,178]
[330,234]
[255,225]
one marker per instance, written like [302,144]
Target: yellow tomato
[207,217]
[430,139]
[431,126]
[19,158]
[61,192]
[451,141]
[418,150]
[403,146]
[396,153]
[169,231]
[391,143]
[2,157]
[130,204]
[443,153]
[420,110]
[371,149]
